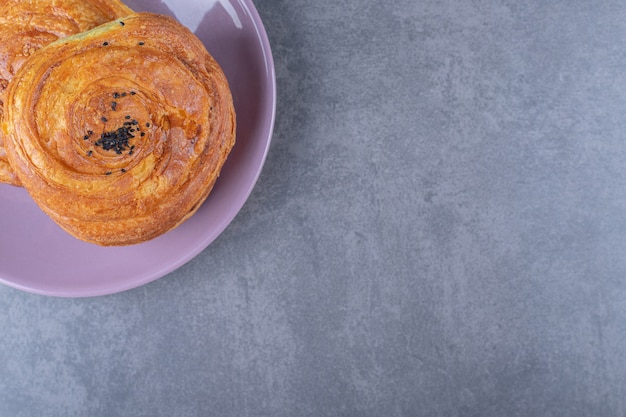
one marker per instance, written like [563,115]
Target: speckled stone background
[440,230]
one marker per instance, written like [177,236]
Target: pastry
[26,26]
[120,133]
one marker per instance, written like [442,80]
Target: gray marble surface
[439,230]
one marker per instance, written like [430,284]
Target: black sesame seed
[127,117]
[143,134]
[89,132]
[114,105]
[107,173]
[132,93]
[123,94]
[104,119]
[122,23]
[147,124]
[105,44]
[116,95]
[86,137]
[135,122]
[116,140]
[89,153]
[141,43]
[123,170]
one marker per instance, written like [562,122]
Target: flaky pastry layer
[120,133]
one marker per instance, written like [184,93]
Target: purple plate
[38,256]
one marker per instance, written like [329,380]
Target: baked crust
[120,133]
[26,26]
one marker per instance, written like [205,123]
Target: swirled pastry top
[120,133]
[26,26]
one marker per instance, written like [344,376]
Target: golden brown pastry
[120,133]
[26,26]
